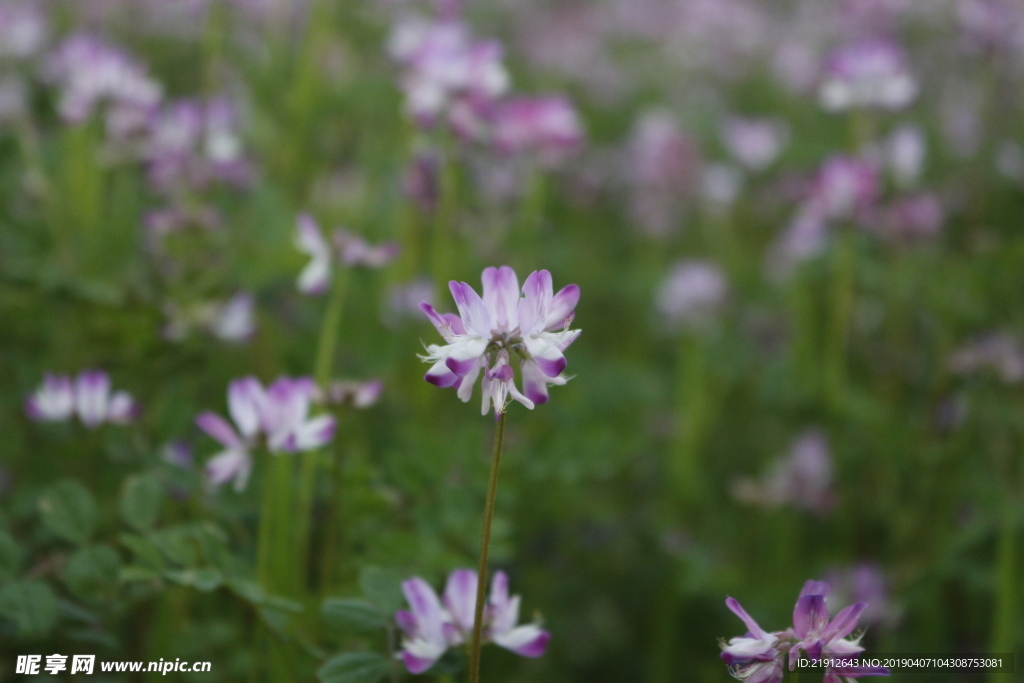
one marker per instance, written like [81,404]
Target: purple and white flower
[547,127]
[432,625]
[759,656]
[89,398]
[802,478]
[481,340]
[278,413]
[355,393]
[870,73]
[692,292]
[755,143]
[352,250]
[54,401]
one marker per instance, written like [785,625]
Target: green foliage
[92,573]
[353,616]
[68,511]
[141,498]
[31,605]
[11,556]
[354,667]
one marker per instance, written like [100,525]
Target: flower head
[352,250]
[278,413]
[758,656]
[871,73]
[432,624]
[492,331]
[88,396]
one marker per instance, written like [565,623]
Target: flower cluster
[279,414]
[803,478]
[350,249]
[432,625]
[88,396]
[450,75]
[230,320]
[761,657]
[489,330]
[871,73]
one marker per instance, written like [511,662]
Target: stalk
[844,262]
[310,461]
[485,544]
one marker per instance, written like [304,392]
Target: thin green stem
[844,265]
[1006,613]
[485,544]
[322,369]
[692,416]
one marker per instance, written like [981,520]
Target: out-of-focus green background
[650,487]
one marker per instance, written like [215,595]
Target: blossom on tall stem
[88,397]
[90,72]
[432,625]
[761,656]
[348,249]
[870,73]
[278,415]
[802,478]
[489,331]
[692,292]
[548,127]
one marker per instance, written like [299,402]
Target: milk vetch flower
[492,331]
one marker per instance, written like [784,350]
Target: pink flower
[54,401]
[546,126]
[433,625]
[89,397]
[533,326]
[279,413]
[871,73]
[352,250]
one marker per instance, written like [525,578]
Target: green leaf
[147,554]
[31,605]
[353,616]
[354,667]
[68,511]
[91,574]
[204,580]
[383,587]
[141,497]
[177,544]
[11,556]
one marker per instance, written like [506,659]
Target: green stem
[275,564]
[844,262]
[444,219]
[1005,614]
[485,544]
[322,370]
[692,416]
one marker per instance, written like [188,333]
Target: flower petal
[92,395]
[471,308]
[501,297]
[426,608]
[460,597]
[246,401]
[219,428]
[561,307]
[547,356]
[533,307]
[528,640]
[735,607]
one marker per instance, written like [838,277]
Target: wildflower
[481,339]
[662,168]
[871,73]
[353,250]
[90,71]
[864,582]
[233,319]
[548,127]
[54,401]
[692,291]
[755,143]
[433,625]
[357,394]
[754,657]
[190,144]
[759,656]
[22,29]
[905,151]
[999,353]
[89,397]
[803,478]
[278,413]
